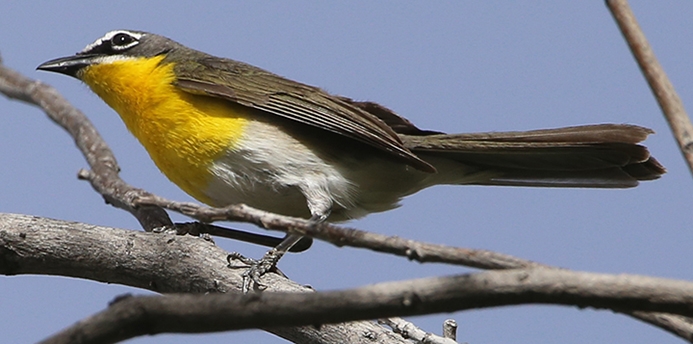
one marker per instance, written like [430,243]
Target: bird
[227,132]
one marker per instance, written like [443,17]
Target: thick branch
[158,262]
[167,263]
[663,90]
[137,316]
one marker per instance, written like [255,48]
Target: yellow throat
[183,133]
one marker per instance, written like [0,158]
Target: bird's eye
[122,40]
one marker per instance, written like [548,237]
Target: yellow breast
[183,133]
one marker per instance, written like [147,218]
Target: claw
[239,257]
[255,269]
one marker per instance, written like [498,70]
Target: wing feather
[256,88]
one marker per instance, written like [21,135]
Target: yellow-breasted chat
[227,132]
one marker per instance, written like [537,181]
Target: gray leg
[257,268]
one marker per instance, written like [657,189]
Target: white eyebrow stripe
[108,36]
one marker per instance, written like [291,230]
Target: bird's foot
[255,269]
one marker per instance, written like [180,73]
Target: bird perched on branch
[227,132]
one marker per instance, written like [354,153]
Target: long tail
[601,156]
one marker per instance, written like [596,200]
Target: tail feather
[595,133]
[606,156]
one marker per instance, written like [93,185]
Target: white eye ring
[122,41]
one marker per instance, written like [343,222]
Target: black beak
[70,65]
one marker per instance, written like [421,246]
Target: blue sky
[450,66]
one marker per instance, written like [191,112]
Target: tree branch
[663,90]
[450,329]
[680,326]
[174,264]
[675,114]
[135,316]
[158,262]
[345,236]
[411,331]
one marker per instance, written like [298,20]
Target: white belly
[273,171]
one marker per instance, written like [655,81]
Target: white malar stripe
[112,58]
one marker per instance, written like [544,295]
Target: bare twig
[344,236]
[411,331]
[197,229]
[680,326]
[450,329]
[663,90]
